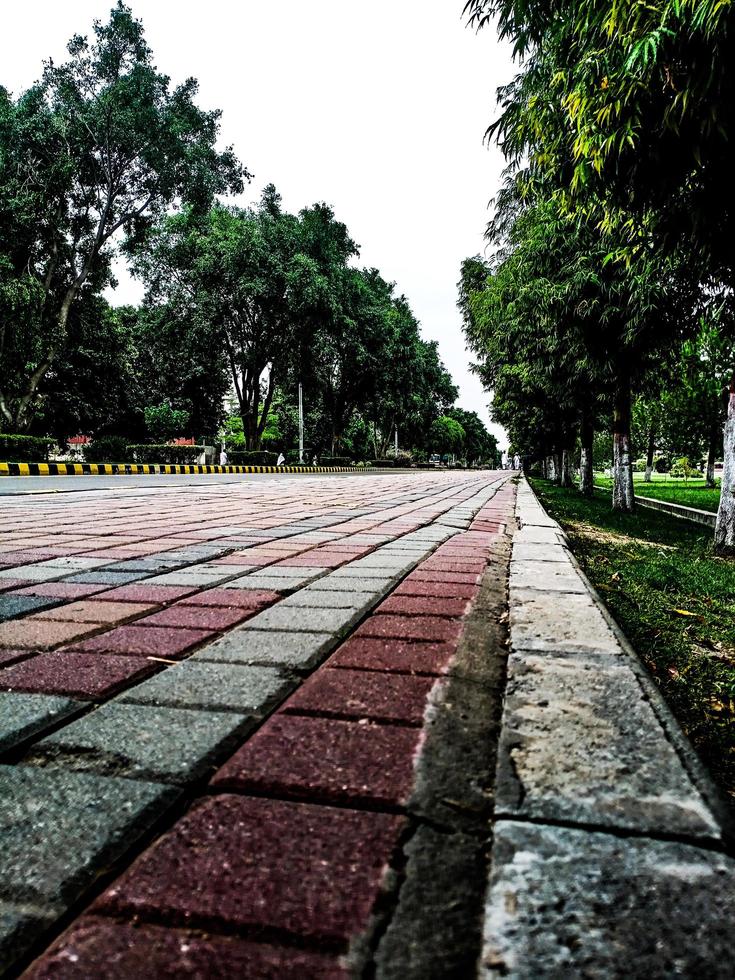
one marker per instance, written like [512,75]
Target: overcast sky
[377,108]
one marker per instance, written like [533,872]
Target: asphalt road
[23,485]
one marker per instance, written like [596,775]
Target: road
[11,485]
[213,694]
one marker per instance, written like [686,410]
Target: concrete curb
[706,517]
[610,838]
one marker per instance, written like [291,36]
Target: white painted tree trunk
[566,477]
[725,526]
[585,472]
[551,468]
[623,497]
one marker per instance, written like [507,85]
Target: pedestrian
[516,462]
[223,456]
[281,459]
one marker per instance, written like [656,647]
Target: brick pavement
[214,702]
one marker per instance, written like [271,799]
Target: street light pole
[301,424]
[396,442]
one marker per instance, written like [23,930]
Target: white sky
[377,108]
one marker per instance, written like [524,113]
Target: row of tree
[607,304]
[103,157]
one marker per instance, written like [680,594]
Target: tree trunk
[725,526]
[587,435]
[565,477]
[649,454]
[551,468]
[714,442]
[623,497]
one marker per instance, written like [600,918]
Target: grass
[675,600]
[692,493]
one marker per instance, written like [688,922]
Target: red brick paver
[292,868]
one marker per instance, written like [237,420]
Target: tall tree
[89,156]
[258,280]
[628,107]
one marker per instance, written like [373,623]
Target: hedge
[383,462]
[24,449]
[335,461]
[252,458]
[106,449]
[163,453]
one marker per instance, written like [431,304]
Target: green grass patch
[675,600]
[692,493]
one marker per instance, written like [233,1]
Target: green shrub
[163,453]
[640,465]
[383,462]
[24,449]
[252,458]
[682,467]
[106,449]
[662,464]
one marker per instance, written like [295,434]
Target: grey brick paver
[170,745]
[25,715]
[212,687]
[59,830]
[292,650]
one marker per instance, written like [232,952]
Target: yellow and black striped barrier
[152,469]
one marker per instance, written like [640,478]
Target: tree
[447,435]
[92,154]
[629,109]
[258,281]
[479,445]
[93,386]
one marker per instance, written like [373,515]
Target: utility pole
[301,423]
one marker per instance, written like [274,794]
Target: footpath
[303,730]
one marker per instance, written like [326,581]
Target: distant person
[281,459]
[516,462]
[223,457]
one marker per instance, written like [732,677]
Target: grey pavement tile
[581,743]
[170,745]
[277,581]
[197,576]
[212,687]
[540,621]
[59,830]
[12,606]
[294,651]
[354,583]
[314,597]
[567,903]
[25,715]
[314,619]
[81,563]
[33,573]
[20,925]
[355,571]
[105,578]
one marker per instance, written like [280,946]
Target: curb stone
[571,892]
